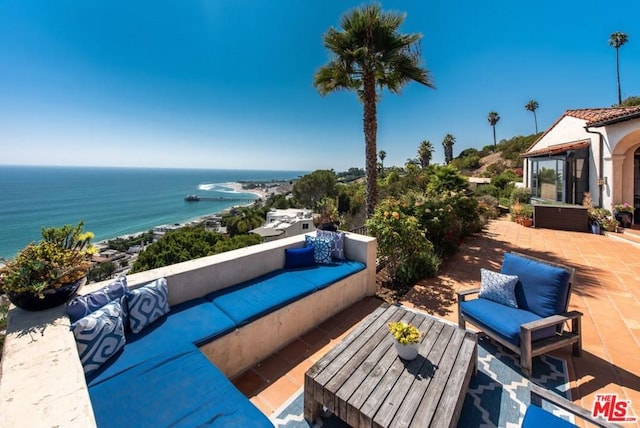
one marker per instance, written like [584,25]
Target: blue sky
[228,84]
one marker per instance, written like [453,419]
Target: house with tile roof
[594,150]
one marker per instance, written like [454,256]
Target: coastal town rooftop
[607,291]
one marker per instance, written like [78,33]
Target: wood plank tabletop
[364,382]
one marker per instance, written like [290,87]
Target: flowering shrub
[623,208]
[447,217]
[402,245]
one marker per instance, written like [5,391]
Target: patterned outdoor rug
[497,396]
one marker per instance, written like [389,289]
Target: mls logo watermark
[612,409]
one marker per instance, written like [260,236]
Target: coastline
[236,187]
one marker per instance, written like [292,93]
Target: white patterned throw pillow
[337,250]
[147,304]
[99,335]
[498,287]
[321,248]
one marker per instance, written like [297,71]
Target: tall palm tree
[493,119]
[616,40]
[447,143]
[532,106]
[382,154]
[425,152]
[368,54]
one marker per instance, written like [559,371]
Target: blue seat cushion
[535,417]
[324,275]
[252,299]
[179,389]
[193,322]
[502,320]
[541,288]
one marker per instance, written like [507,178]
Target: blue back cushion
[252,299]
[178,389]
[541,288]
[298,257]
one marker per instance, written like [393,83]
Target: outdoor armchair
[536,417]
[524,307]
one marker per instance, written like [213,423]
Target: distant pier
[196,198]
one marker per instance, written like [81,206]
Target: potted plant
[47,273]
[406,338]
[623,213]
[522,213]
[328,218]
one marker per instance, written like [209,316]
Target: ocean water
[110,201]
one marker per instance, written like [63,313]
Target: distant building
[107,256]
[160,231]
[284,223]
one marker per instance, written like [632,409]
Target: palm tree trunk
[495,146]
[370,134]
[618,76]
[535,120]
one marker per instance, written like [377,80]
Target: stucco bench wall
[42,380]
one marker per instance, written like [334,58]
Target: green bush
[520,194]
[407,254]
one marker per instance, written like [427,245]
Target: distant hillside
[485,162]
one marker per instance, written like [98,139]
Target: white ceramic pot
[407,352]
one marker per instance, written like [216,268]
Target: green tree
[382,154]
[616,40]
[630,102]
[493,119]
[447,143]
[369,54]
[532,106]
[188,243]
[311,188]
[425,152]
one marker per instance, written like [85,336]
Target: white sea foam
[219,187]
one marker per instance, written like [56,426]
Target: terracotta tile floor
[607,291]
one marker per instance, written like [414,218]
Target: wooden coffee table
[364,382]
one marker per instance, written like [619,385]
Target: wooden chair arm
[538,394]
[464,293]
[550,321]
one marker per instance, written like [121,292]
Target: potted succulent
[47,273]
[406,338]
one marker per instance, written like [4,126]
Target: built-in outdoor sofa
[227,312]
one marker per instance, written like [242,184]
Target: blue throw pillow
[498,287]
[321,248]
[298,257]
[147,304]
[81,306]
[99,336]
[337,250]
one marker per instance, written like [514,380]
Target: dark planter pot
[624,219]
[332,227]
[52,297]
